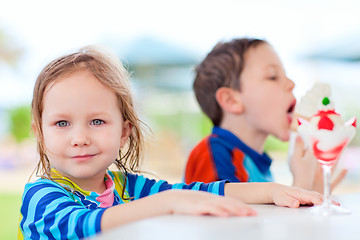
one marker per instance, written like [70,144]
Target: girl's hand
[202,203]
[294,197]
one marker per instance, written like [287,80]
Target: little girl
[84,121]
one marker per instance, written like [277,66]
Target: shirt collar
[262,161]
[105,199]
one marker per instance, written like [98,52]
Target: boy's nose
[80,138]
[290,84]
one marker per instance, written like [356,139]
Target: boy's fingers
[339,178]
[310,156]
[298,150]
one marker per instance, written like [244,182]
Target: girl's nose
[80,138]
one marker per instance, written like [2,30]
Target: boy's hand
[318,184]
[307,172]
[303,165]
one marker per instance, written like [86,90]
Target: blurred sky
[45,29]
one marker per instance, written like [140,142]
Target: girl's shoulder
[41,182]
[43,186]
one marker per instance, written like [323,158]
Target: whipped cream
[311,102]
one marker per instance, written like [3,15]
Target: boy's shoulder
[218,138]
[208,146]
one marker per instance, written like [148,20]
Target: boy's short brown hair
[221,68]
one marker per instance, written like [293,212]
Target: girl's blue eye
[62,124]
[97,122]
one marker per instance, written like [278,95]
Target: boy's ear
[126,131]
[229,100]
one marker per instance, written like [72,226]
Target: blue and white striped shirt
[49,211]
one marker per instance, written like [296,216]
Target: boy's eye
[62,124]
[273,77]
[97,122]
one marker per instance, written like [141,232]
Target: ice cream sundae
[327,135]
[326,132]
[305,109]
[309,103]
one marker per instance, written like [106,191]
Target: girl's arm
[153,198]
[172,201]
[279,194]
[187,202]
[202,203]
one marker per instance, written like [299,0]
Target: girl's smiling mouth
[83,158]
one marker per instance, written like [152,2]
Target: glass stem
[327,190]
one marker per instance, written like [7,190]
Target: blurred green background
[160,45]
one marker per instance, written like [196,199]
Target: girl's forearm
[136,210]
[251,192]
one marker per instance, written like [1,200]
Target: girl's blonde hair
[110,72]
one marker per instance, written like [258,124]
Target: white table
[272,222]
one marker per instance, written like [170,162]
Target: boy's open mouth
[290,111]
[292,107]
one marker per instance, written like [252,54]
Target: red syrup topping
[329,155]
[325,122]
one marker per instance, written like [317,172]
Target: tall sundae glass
[327,135]
[305,109]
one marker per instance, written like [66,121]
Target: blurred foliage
[273,144]
[189,125]
[20,122]
[9,50]
[195,126]
[10,213]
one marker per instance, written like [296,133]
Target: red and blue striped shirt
[223,156]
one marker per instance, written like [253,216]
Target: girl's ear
[33,128]
[229,100]
[126,131]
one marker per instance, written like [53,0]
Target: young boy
[242,87]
